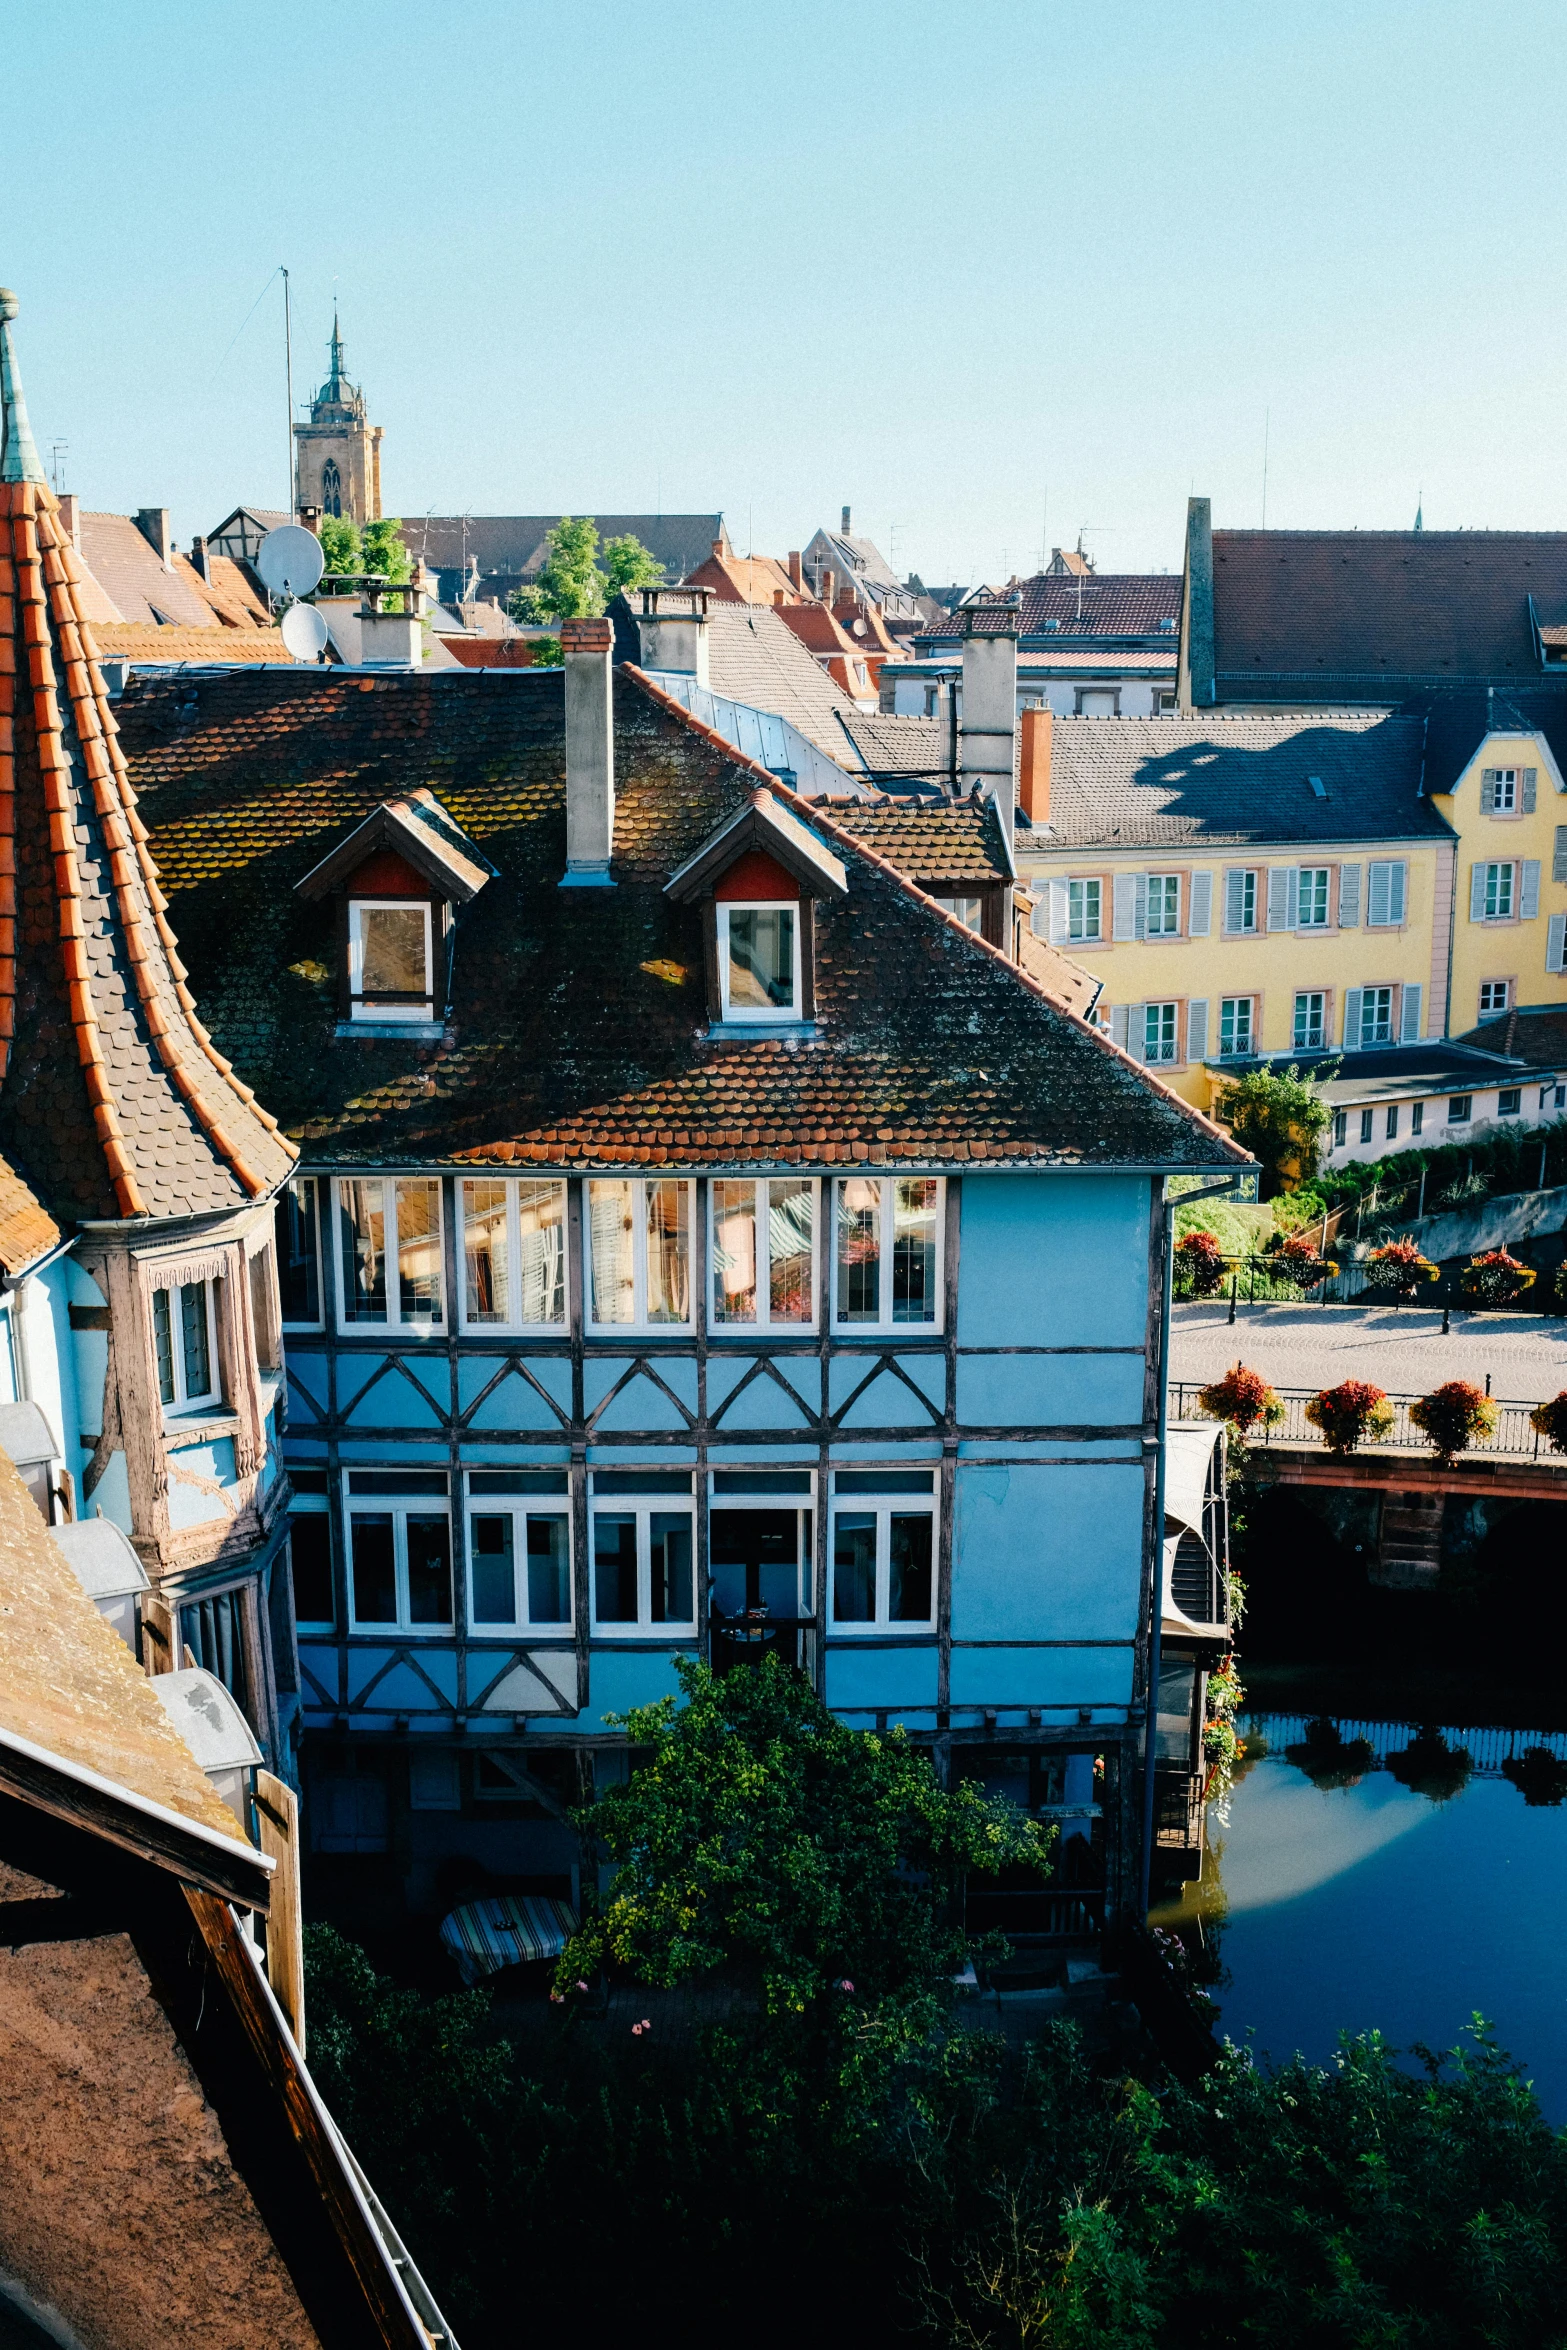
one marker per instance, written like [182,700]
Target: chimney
[672,630]
[586,647]
[778,599]
[1033,778]
[71,518]
[845,531]
[153,523]
[827,589]
[989,729]
[1194,677]
[797,576]
[198,556]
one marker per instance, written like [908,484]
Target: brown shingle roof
[935,846]
[130,641]
[1131,603]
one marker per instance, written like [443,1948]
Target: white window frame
[1168,885]
[885,1506]
[322,1190]
[1161,1059]
[759,1015]
[1368,1042]
[639,1322]
[931,1325]
[1319,997]
[1504,779]
[644,1508]
[801,1506]
[1248,894]
[375,1009]
[969,910]
[1502,1094]
[399,1507]
[731,1326]
[317,1506]
[1077,909]
[182,1401]
[483,1325]
[1417,1117]
[1231,1004]
[1495,866]
[519,1507]
[1315,881]
[1457,1116]
[420,1326]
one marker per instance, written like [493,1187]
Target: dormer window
[757,880]
[398,881]
[759,962]
[389,962]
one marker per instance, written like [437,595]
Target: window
[1240,902]
[390,1239]
[643,1574]
[1391,1124]
[1495,995]
[1376,1016]
[888,1251]
[764,1255]
[1340,1129]
[1365,1125]
[759,1547]
[1164,905]
[298,1231]
[1459,1109]
[1417,1118]
[310,1562]
[1509,1102]
[213,1629]
[759,962]
[519,1549]
[1497,893]
[1504,791]
[1159,1032]
[969,911]
[331,488]
[1084,909]
[389,959]
[184,1339]
[1311,1020]
[1098,702]
[400,1550]
[883,1549]
[1386,890]
[639,1254]
[514,1254]
[1234,1026]
[1312,904]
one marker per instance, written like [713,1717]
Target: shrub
[1280,1117]
[1453,1415]
[1551,1420]
[1349,1413]
[1199,1265]
[1559,1288]
[1292,1256]
[1243,1399]
[1495,1279]
[1399,1268]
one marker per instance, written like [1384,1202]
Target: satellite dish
[304,631]
[290,561]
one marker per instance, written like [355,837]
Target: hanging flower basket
[1399,1269]
[1292,1257]
[1551,1421]
[1496,1279]
[1452,1416]
[1350,1414]
[1243,1399]
[1199,1265]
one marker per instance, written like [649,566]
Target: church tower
[338,453]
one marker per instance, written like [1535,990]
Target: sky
[990,272]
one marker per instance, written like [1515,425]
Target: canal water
[1378,1875]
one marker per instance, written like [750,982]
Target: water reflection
[1387,1875]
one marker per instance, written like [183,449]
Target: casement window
[1369,1017]
[1312,913]
[1340,1129]
[1365,1125]
[1460,1109]
[1509,1102]
[1495,996]
[519,1550]
[1417,1118]
[514,1253]
[763,1253]
[1505,892]
[297,1232]
[185,1344]
[759,1551]
[1084,908]
[1376,1016]
[1311,1020]
[1161,1038]
[883,1571]
[1098,702]
[389,1247]
[399,1550]
[639,1253]
[1164,905]
[887,1252]
[1390,1124]
[1298,897]
[1497,901]
[310,1559]
[640,1533]
[758,962]
[1387,889]
[1240,903]
[389,959]
[1508,791]
[1235,1026]
[970,911]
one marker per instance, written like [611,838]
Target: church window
[331,488]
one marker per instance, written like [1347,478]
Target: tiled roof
[1167,782]
[578,1027]
[935,846]
[130,641]
[1130,603]
[1457,724]
[1056,975]
[126,567]
[755,657]
[1325,606]
[886,745]
[744,579]
[1538,1037]
[27,1230]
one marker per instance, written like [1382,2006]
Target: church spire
[337,359]
[19,459]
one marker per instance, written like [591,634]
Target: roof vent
[1318,787]
[1167,625]
[1050,627]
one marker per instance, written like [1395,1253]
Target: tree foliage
[571,585]
[340,551]
[349,549]
[1280,1117]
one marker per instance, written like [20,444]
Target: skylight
[1318,787]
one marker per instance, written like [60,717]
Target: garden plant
[1352,1413]
[1453,1415]
[1199,1265]
[1495,1279]
[1399,1268]
[1551,1421]
[1243,1400]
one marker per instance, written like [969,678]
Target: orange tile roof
[130,640]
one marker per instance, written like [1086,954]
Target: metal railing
[1513,1438]
[1488,1748]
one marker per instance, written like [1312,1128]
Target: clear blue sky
[987,270]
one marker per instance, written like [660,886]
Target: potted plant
[1496,1279]
[1293,1257]
[1453,1415]
[1399,1268]
[1199,1265]
[1350,1413]
[1243,1399]
[1551,1421]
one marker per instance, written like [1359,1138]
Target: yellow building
[1241,885]
[1500,786]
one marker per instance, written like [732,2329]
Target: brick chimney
[71,518]
[796,574]
[586,648]
[153,523]
[1033,778]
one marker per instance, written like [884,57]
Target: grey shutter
[1349,897]
[1125,905]
[1280,915]
[1477,893]
[1488,777]
[1197,1028]
[1201,917]
[1398,889]
[1556,943]
[1140,901]
[1057,911]
[1235,886]
[1529,889]
[1559,860]
[1120,1024]
[1352,1019]
[1409,1015]
[1531,776]
[1378,892]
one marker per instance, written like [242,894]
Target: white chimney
[586,649]
[987,747]
[153,523]
[672,630]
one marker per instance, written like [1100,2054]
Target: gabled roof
[755,657]
[743,579]
[761,824]
[418,828]
[578,1032]
[1458,723]
[1097,605]
[941,847]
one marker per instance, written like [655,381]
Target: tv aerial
[304,630]
[290,562]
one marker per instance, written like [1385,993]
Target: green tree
[628,565]
[383,552]
[340,545]
[570,585]
[1280,1117]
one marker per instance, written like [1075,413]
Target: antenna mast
[288,370]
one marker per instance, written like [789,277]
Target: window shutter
[1398,889]
[1201,919]
[1409,1016]
[1351,1019]
[1530,778]
[1140,901]
[1294,897]
[1559,860]
[1057,912]
[1477,893]
[1556,943]
[1280,916]
[1235,886]
[1487,791]
[1349,897]
[1197,1028]
[1378,892]
[1120,1020]
[1126,905]
[1529,889]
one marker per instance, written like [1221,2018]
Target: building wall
[1137,695]
[1514,949]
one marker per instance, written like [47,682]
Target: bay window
[514,1254]
[400,1550]
[643,1569]
[883,1549]
[759,962]
[185,1345]
[639,1253]
[519,1550]
[390,1240]
[389,959]
[888,1251]
[763,1252]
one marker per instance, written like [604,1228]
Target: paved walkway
[1402,1350]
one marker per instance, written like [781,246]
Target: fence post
[1234,1285]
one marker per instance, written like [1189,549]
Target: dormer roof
[766,826]
[416,828]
